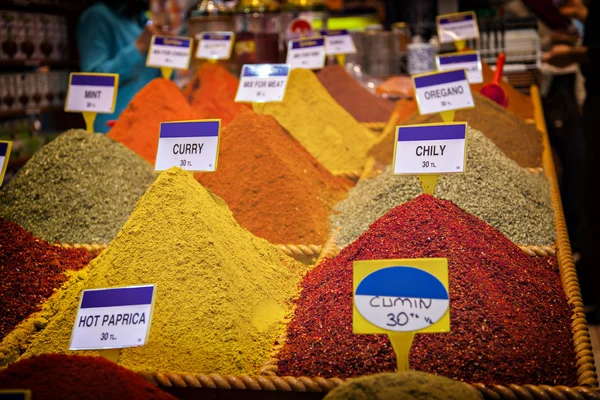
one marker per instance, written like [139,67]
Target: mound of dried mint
[80,188]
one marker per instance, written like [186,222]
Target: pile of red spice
[510,321]
[138,126]
[30,270]
[212,92]
[274,187]
[58,376]
[358,101]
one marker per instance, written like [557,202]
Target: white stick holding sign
[442,91]
[262,83]
[458,26]
[113,318]
[190,145]
[307,53]
[430,149]
[215,45]
[469,61]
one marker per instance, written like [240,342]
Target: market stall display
[79,188]
[183,238]
[493,187]
[31,269]
[320,124]
[500,297]
[77,377]
[274,187]
[138,125]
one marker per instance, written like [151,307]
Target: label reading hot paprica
[89,92]
[215,45]
[430,149]
[458,26]
[338,41]
[262,83]
[307,53]
[170,52]
[470,61]
[442,91]
[190,145]
[113,318]
[5,147]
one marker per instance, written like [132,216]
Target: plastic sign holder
[190,145]
[5,147]
[400,298]
[470,61]
[307,53]
[338,43]
[92,94]
[169,53]
[262,83]
[214,46]
[457,28]
[113,318]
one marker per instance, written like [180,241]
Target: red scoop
[110,123]
[493,90]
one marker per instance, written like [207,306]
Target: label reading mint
[169,52]
[430,149]
[459,26]
[215,45]
[190,145]
[338,42]
[401,299]
[469,61]
[95,93]
[443,91]
[306,53]
[113,318]
[262,83]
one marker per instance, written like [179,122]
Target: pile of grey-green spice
[79,188]
[494,188]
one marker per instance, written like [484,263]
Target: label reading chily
[113,318]
[430,149]
[307,53]
[338,42]
[95,93]
[469,61]
[459,26]
[261,83]
[190,145]
[215,45]
[442,91]
[169,52]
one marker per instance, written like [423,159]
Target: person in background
[114,37]
[588,56]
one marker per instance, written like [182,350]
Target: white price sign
[215,45]
[169,52]
[442,91]
[338,42]
[469,61]
[113,318]
[308,53]
[262,83]
[430,149]
[458,26]
[96,93]
[190,145]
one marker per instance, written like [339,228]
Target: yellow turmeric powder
[222,294]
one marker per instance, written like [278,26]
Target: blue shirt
[106,43]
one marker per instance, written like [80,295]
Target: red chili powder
[58,376]
[358,101]
[212,92]
[138,125]
[510,320]
[274,187]
[30,270]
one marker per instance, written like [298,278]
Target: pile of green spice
[222,294]
[493,187]
[79,188]
[30,270]
[510,321]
